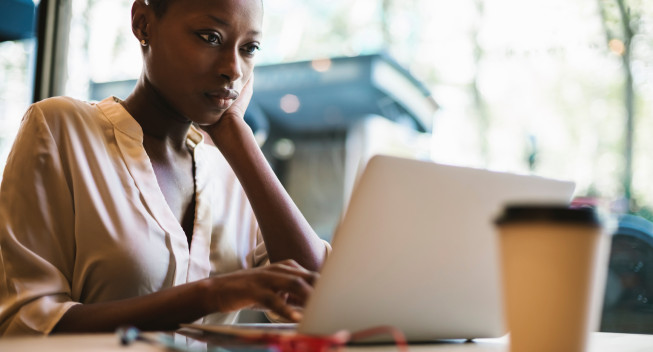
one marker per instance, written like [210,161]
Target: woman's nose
[229,65]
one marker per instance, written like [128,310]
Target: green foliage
[646,212]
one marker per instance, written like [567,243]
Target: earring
[143,42]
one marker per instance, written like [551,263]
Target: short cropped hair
[159,6]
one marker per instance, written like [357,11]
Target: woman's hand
[280,287]
[236,110]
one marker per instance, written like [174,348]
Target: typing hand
[280,287]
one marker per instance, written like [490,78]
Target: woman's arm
[273,287]
[286,232]
[38,252]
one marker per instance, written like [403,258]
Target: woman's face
[201,54]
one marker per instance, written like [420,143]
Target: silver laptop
[416,250]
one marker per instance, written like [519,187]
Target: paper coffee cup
[553,265]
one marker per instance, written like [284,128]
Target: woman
[117,213]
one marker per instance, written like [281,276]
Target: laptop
[417,250]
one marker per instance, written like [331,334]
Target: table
[599,342]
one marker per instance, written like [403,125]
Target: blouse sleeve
[260,254]
[37,247]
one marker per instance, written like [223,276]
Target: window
[17,57]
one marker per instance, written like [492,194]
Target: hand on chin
[235,112]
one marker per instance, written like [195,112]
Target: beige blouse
[83,220]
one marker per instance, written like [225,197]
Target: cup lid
[549,213]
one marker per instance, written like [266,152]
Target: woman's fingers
[291,267]
[278,287]
[295,287]
[278,305]
[239,106]
[281,293]
[236,110]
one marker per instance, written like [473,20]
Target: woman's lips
[222,98]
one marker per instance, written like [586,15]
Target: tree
[620,26]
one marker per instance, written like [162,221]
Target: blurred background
[558,88]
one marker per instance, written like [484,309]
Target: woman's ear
[141,16]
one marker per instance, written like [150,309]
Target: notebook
[417,249]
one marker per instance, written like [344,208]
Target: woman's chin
[208,119]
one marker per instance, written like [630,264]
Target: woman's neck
[157,118]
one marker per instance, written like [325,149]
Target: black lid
[550,213]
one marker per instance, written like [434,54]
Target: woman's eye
[251,49]
[210,38]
